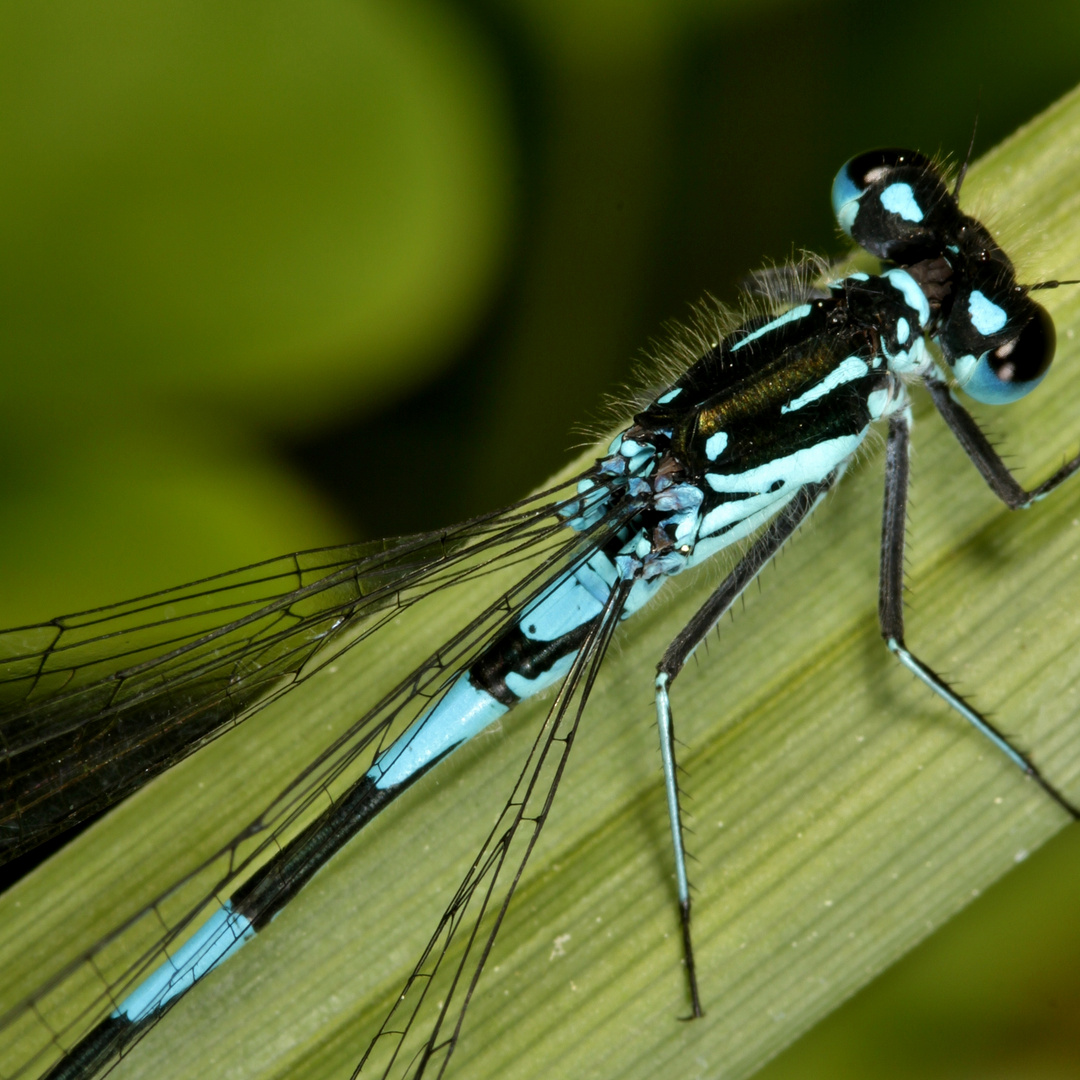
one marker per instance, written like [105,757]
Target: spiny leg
[985,458]
[680,650]
[891,596]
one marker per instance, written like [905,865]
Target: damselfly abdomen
[733,455]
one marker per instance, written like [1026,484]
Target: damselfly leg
[893,530]
[673,661]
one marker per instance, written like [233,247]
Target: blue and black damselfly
[734,454]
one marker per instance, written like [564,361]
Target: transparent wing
[533,544]
[94,705]
[420,1033]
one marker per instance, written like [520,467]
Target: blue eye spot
[845,199]
[900,199]
[986,316]
[715,445]
[986,385]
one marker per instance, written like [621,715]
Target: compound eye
[1014,368]
[862,172]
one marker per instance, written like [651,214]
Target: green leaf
[839,811]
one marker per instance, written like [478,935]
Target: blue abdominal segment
[481,696]
[219,937]
[463,712]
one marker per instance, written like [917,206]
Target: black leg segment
[985,458]
[891,588]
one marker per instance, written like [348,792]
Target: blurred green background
[277,274]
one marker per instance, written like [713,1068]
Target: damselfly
[733,454]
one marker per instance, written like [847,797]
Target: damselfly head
[998,342]
[891,202]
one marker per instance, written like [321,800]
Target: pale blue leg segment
[671,785]
[943,691]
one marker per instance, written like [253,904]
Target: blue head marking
[986,316]
[899,199]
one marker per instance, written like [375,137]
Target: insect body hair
[765,294]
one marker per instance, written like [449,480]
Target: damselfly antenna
[967,156]
[1049,285]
